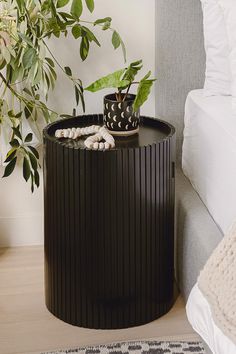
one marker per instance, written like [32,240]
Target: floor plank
[26,326]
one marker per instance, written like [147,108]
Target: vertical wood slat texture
[109,233]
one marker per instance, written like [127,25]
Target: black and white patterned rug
[142,347]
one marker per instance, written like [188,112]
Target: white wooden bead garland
[93,142]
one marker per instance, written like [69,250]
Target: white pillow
[229,10]
[218,78]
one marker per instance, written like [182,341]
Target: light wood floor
[26,327]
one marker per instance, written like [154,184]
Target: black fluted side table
[109,226]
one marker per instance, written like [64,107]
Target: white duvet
[200,316]
[209,154]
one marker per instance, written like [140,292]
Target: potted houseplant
[122,109]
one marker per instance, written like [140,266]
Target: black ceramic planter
[119,117]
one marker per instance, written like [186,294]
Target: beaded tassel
[93,142]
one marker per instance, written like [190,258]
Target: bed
[208,160]
[200,316]
[209,154]
[181,64]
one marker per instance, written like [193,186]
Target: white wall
[21,213]
[134,20]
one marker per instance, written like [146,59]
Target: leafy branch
[28,69]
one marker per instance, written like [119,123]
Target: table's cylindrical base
[109,234]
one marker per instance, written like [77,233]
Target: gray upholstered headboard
[180,58]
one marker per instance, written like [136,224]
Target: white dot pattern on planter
[120,116]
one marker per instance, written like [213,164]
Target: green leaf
[90,5]
[50,62]
[10,167]
[84,48]
[26,39]
[2,64]
[11,154]
[116,40]
[32,182]
[15,75]
[38,76]
[111,80]
[102,20]
[28,111]
[143,91]
[82,101]
[20,4]
[53,117]
[132,71]
[68,70]
[29,138]
[17,132]
[33,161]
[15,143]
[77,95]
[106,26]
[123,50]
[53,8]
[26,169]
[34,151]
[91,37]
[76,8]
[18,115]
[27,91]
[62,3]
[29,58]
[57,33]
[36,178]
[53,73]
[11,114]
[49,81]
[76,31]
[65,16]
[147,76]
[80,92]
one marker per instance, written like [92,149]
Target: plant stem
[59,65]
[117,96]
[92,23]
[17,83]
[127,92]
[55,59]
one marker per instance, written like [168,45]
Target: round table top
[151,131]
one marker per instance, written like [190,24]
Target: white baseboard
[21,212]
[24,230]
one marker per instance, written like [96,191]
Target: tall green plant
[28,68]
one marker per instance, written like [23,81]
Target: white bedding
[209,154]
[200,316]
